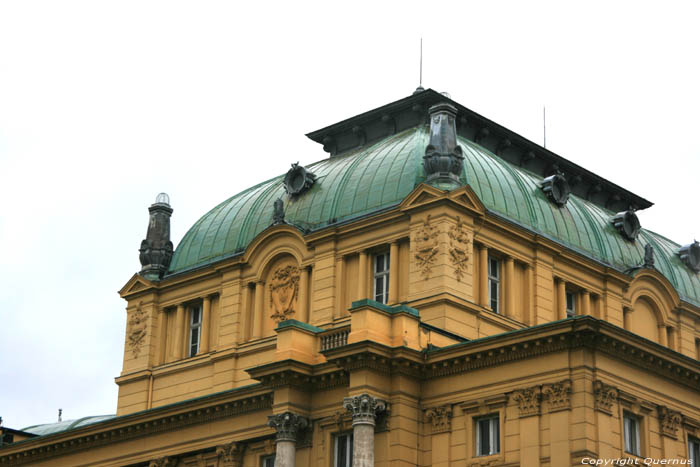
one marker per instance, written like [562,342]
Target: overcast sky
[105,104]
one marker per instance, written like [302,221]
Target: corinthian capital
[288,425]
[364,408]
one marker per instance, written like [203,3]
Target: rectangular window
[632,428]
[694,450]
[570,304]
[487,436]
[381,277]
[267,461]
[342,451]
[195,329]
[494,283]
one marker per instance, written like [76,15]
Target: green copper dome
[379,176]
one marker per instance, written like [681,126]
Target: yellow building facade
[438,291]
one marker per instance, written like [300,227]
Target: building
[437,291]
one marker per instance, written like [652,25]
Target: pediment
[425,194]
[136,284]
[465,197]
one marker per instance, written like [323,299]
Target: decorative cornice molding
[669,421]
[140,429]
[440,418]
[605,396]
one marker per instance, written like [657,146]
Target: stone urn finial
[443,156]
[157,250]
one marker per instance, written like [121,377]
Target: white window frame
[265,460]
[494,282]
[494,422]
[381,296]
[570,310]
[348,440]
[195,330]
[694,450]
[632,427]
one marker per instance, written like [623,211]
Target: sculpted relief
[459,248]
[136,330]
[284,289]
[426,247]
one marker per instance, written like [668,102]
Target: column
[244,318]
[303,299]
[671,338]
[529,314]
[339,308]
[626,317]
[364,410]
[585,302]
[362,276]
[510,287]
[258,313]
[288,426]
[163,354]
[483,276]
[206,313]
[561,299]
[394,273]
[179,332]
[662,335]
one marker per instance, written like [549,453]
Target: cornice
[146,423]
[290,373]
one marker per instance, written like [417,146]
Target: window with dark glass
[342,451]
[632,439]
[494,283]
[487,436]
[195,329]
[694,450]
[570,304]
[381,277]
[267,461]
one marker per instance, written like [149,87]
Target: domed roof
[379,176]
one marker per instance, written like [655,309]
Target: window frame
[383,275]
[636,422]
[349,449]
[265,458]
[194,328]
[694,450]
[570,311]
[494,281]
[494,434]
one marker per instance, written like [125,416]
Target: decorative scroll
[231,455]
[670,421]
[459,248]
[137,330]
[284,288]
[605,396]
[557,395]
[426,247]
[439,418]
[528,400]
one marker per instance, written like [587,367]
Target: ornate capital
[670,421]
[364,408]
[557,395]
[162,462]
[605,396]
[288,425]
[231,455]
[528,400]
[439,418]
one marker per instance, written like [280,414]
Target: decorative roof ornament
[556,188]
[298,180]
[648,256]
[157,250]
[278,214]
[443,157]
[690,255]
[627,223]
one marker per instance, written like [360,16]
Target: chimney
[443,157]
[157,250]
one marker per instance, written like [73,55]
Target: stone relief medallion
[284,288]
[459,248]
[137,330]
[426,247]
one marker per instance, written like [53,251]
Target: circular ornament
[690,255]
[627,223]
[557,189]
[298,180]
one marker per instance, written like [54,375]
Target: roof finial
[60,412]
[420,78]
[544,126]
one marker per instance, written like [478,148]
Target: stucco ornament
[605,396]
[231,455]
[557,395]
[284,287]
[137,330]
[459,248]
[298,180]
[426,247]
[528,400]
[288,425]
[670,421]
[364,408]
[439,417]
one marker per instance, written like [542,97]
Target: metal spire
[420,78]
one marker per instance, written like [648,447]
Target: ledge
[293,323]
[392,310]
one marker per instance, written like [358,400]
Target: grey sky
[105,104]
